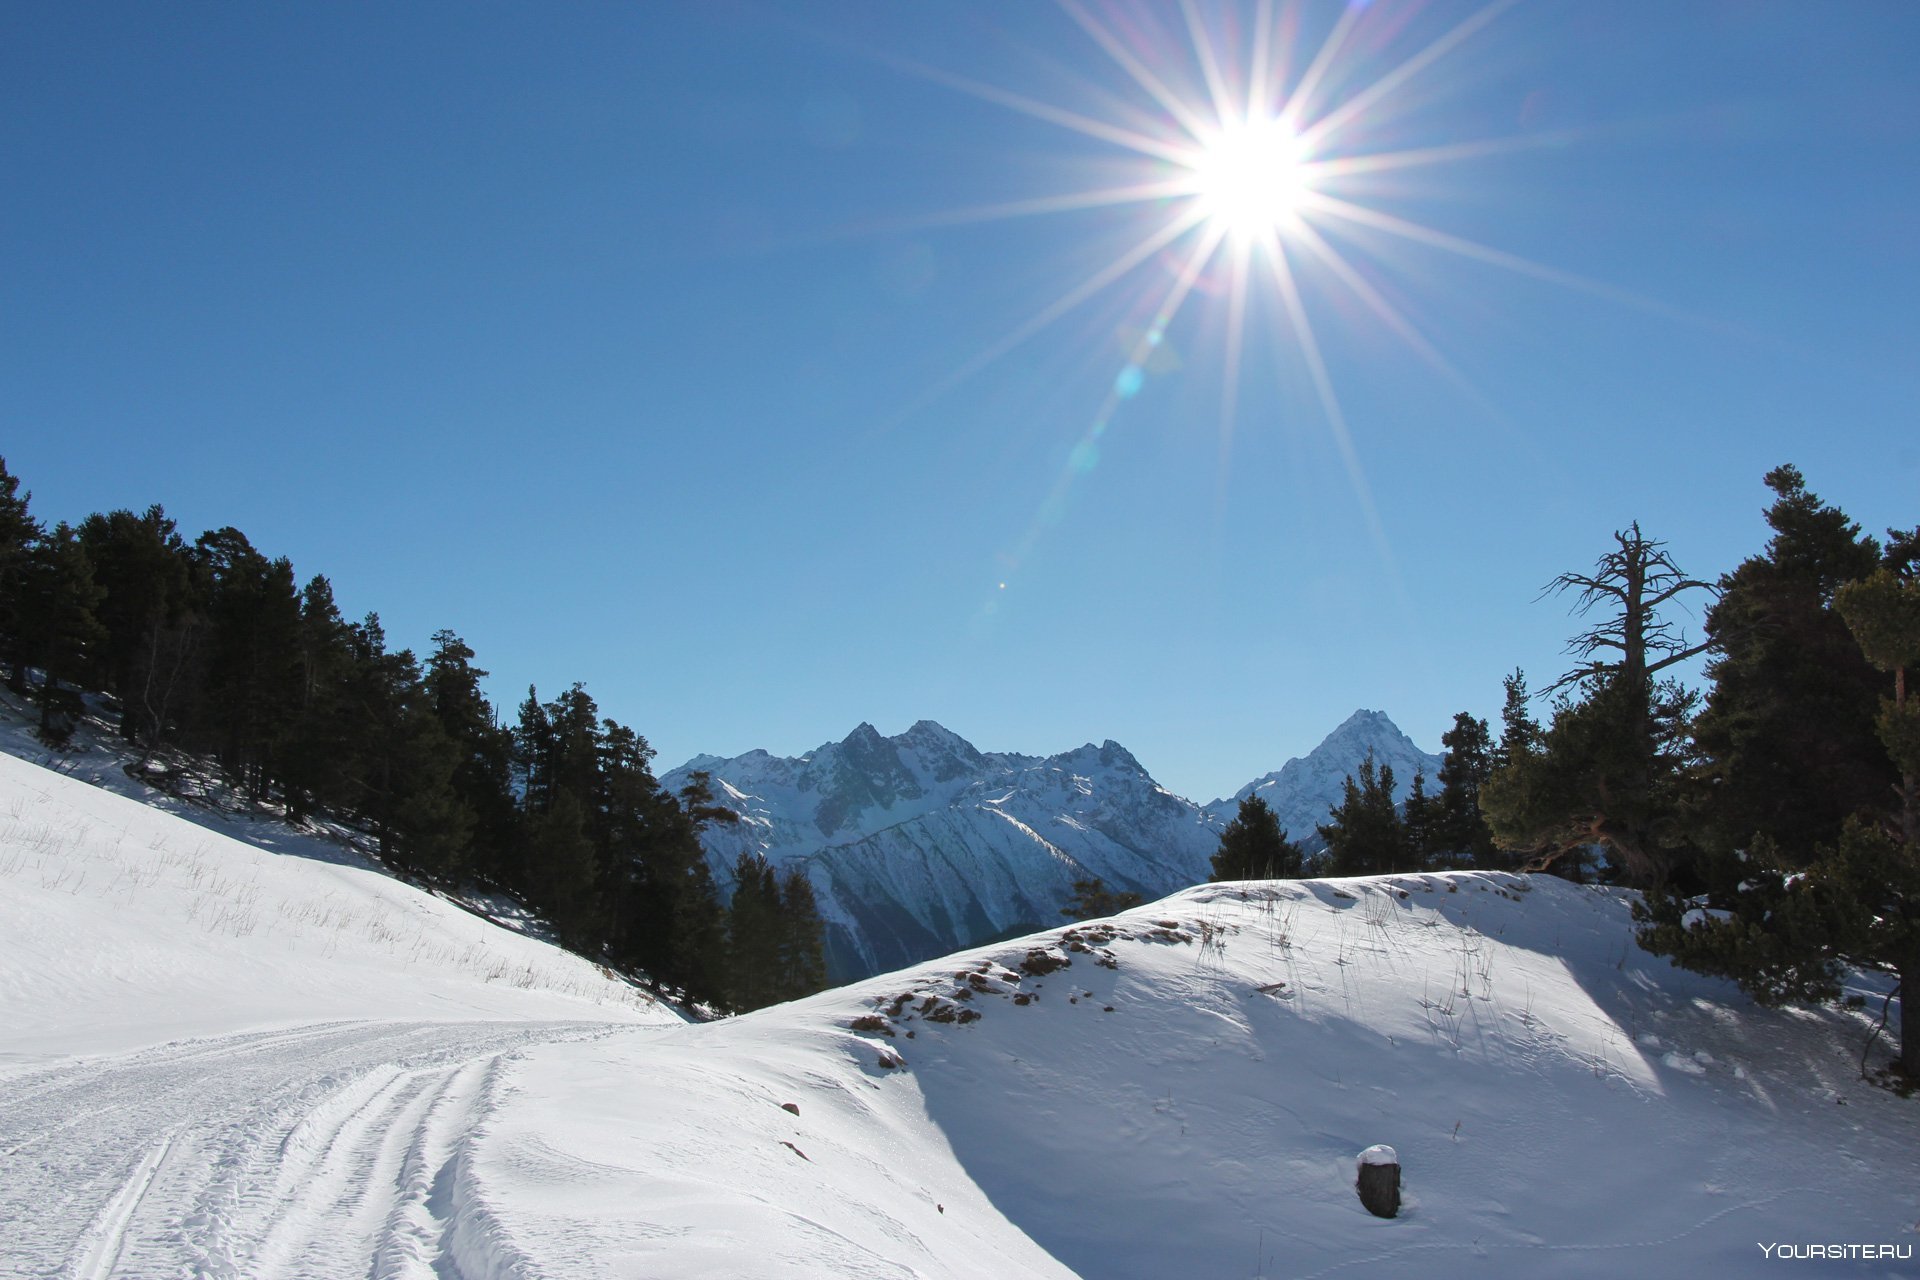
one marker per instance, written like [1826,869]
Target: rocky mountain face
[920,844]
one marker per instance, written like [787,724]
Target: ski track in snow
[301,1152]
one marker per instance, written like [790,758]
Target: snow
[223,1039]
[919,844]
[1302,790]
[1379,1153]
[160,929]
[1197,1106]
[223,1060]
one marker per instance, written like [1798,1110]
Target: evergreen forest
[1768,813]
[216,649]
[1766,807]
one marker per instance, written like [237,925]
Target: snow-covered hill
[231,1049]
[920,844]
[1184,1090]
[160,928]
[224,1060]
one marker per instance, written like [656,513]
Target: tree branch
[1685,584]
[1682,656]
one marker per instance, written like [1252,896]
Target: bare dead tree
[1634,581]
[1610,759]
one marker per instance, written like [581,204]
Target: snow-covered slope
[920,844]
[246,1057]
[159,928]
[1184,1091]
[1302,790]
[225,1061]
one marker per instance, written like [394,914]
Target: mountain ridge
[919,843]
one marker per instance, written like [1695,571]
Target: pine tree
[404,760]
[1788,932]
[18,532]
[253,661]
[1788,726]
[630,803]
[574,720]
[321,755]
[141,565]
[803,957]
[483,775]
[1255,847]
[533,750]
[665,916]
[697,958]
[432,825]
[563,870]
[1883,612]
[1519,732]
[57,630]
[1460,836]
[694,941]
[1364,833]
[1418,815]
[753,934]
[1609,771]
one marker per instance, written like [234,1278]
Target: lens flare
[1252,181]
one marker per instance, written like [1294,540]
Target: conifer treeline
[1771,825]
[214,648]
[1368,833]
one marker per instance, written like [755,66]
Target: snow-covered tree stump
[1379,1183]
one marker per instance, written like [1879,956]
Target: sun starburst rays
[1240,173]
[1251,165]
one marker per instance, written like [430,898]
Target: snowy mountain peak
[1301,791]
[920,843]
[943,753]
[1370,727]
[1364,716]
[930,731]
[863,737]
[1109,756]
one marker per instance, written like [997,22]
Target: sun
[1249,178]
[1257,180]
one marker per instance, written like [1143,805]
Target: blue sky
[623,340]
